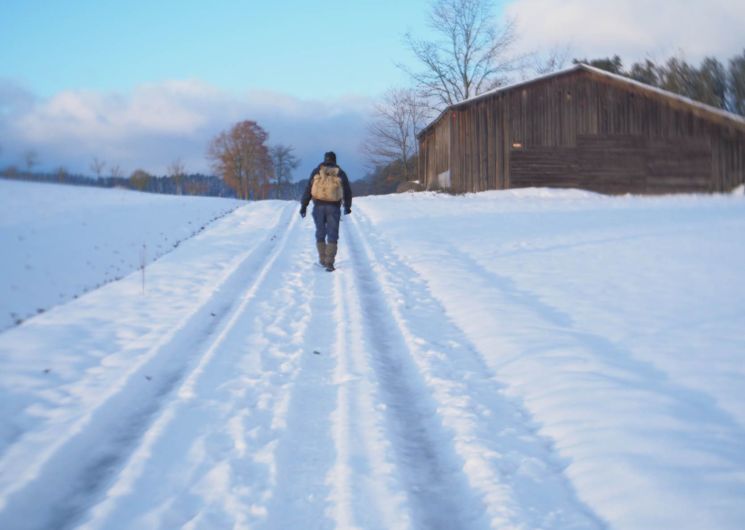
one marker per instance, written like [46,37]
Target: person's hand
[302,213]
[347,211]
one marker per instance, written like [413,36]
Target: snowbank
[520,359]
[62,241]
[615,322]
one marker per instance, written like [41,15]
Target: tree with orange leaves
[240,156]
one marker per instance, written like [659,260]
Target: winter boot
[330,256]
[321,246]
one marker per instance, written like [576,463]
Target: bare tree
[31,159]
[241,157]
[97,166]
[391,135]
[285,162]
[116,171]
[177,172]
[470,56]
[555,59]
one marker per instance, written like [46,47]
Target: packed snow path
[248,388]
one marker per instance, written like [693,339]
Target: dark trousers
[326,217]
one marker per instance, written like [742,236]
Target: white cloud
[633,29]
[157,123]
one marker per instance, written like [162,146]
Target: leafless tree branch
[391,135]
[97,166]
[471,54]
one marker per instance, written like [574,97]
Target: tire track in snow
[511,470]
[304,451]
[71,474]
[367,489]
[250,449]
[215,457]
[437,490]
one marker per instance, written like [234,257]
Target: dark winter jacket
[344,184]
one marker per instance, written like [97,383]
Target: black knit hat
[329,157]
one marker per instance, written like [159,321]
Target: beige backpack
[327,185]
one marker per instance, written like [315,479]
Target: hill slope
[66,240]
[517,359]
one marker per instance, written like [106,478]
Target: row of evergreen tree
[712,82]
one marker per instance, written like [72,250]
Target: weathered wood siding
[434,152]
[582,129]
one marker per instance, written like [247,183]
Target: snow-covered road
[432,381]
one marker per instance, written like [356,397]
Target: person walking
[328,187]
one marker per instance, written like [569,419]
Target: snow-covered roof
[734,119]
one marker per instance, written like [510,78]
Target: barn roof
[701,109]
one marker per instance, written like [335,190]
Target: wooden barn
[583,128]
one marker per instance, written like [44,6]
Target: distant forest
[193,184]
[384,179]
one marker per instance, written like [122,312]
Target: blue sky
[140,84]
[308,49]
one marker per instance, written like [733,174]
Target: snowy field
[59,242]
[522,359]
